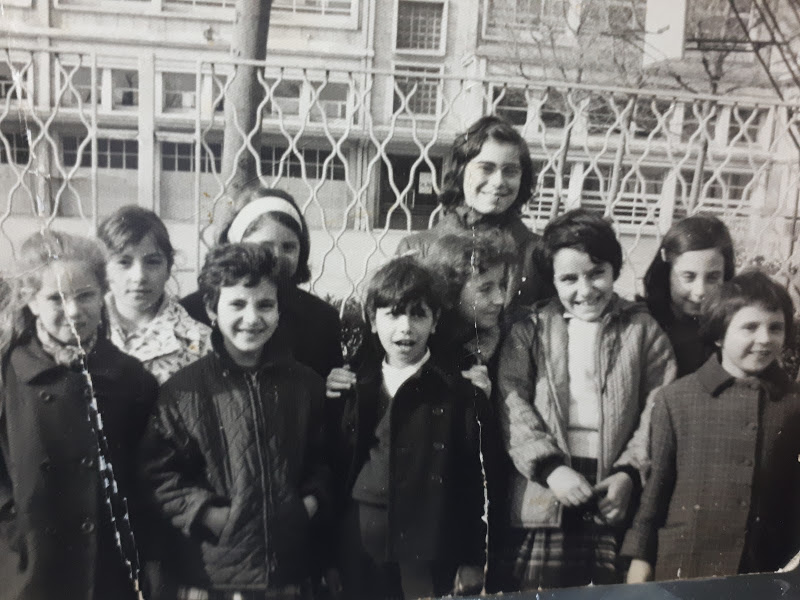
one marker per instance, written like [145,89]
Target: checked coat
[724,489]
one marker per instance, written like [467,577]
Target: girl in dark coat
[695,257]
[724,485]
[309,327]
[72,410]
[488,181]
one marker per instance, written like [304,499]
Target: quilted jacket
[252,441]
[634,359]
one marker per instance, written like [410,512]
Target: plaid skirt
[581,552]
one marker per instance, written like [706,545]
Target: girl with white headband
[309,326]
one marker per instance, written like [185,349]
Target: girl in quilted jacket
[233,457]
[72,411]
[574,379]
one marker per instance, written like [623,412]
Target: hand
[639,571]
[311,504]
[569,486]
[469,580]
[478,375]
[215,518]
[333,579]
[615,496]
[339,380]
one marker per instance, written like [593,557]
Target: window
[18,145]
[502,15]
[285,97]
[744,125]
[646,115]
[693,115]
[179,156]
[417,94]
[111,153]
[419,25]
[203,3]
[331,100]
[553,111]
[718,20]
[8,73]
[124,89]
[601,115]
[78,84]
[179,92]
[277,160]
[511,103]
[638,195]
[724,194]
[318,7]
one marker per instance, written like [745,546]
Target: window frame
[397,71]
[441,50]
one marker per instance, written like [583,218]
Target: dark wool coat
[252,441]
[55,535]
[435,503]
[528,282]
[724,490]
[309,327]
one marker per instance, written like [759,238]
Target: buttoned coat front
[435,487]
[718,443]
[55,537]
[634,359]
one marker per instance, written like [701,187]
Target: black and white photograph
[399,299]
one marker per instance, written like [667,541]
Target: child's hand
[615,495]
[478,375]
[569,486]
[339,380]
[311,504]
[215,517]
[639,571]
[469,580]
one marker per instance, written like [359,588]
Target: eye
[687,277]
[777,328]
[568,278]
[512,171]
[155,261]
[715,277]
[486,168]
[266,305]
[290,247]
[54,298]
[237,304]
[123,261]
[86,296]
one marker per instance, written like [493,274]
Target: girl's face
[404,336]
[247,316]
[137,276]
[492,178]
[281,240]
[69,301]
[754,340]
[693,275]
[584,287]
[482,297]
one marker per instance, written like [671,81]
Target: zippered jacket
[634,358]
[252,441]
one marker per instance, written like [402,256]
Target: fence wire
[363,152]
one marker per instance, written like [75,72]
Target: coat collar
[274,353]
[370,374]
[31,361]
[716,380]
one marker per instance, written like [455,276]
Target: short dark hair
[231,264]
[586,231]
[258,190]
[455,257]
[749,288]
[468,145]
[129,225]
[402,284]
[698,232]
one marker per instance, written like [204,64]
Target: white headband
[260,206]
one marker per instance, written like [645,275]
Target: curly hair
[232,264]
[454,258]
[698,232]
[468,145]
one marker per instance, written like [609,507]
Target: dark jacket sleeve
[171,468]
[194,305]
[317,480]
[641,541]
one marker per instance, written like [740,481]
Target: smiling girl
[72,410]
[234,459]
[488,181]
[144,320]
[695,257]
[573,380]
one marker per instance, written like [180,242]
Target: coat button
[436,478]
[87,526]
[46,465]
[46,397]
[438,411]
[88,462]
[438,446]
[697,507]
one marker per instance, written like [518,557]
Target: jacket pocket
[533,505]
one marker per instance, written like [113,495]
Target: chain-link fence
[363,152]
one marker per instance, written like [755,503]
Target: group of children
[477,443]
